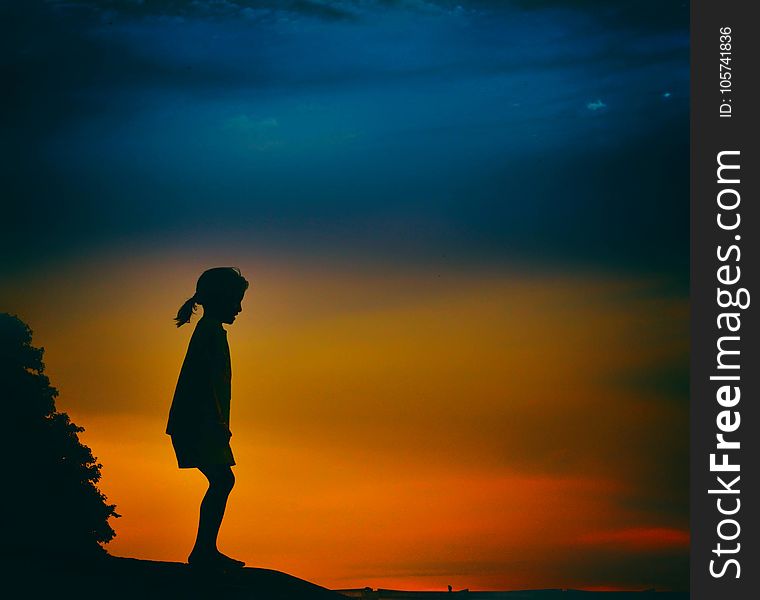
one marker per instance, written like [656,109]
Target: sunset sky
[463,355]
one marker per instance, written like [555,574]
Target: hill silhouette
[115,578]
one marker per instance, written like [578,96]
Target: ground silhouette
[115,578]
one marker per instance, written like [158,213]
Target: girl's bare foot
[229,561]
[213,558]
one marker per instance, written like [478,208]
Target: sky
[463,356]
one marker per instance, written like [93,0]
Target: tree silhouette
[53,507]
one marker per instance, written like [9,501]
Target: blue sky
[478,131]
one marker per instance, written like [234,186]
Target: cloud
[328,10]
[638,538]
[651,14]
[648,14]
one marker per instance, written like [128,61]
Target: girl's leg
[220,483]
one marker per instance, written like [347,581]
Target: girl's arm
[219,378]
[205,384]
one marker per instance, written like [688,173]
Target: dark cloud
[209,8]
[652,14]
[330,10]
[649,14]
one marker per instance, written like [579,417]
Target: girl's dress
[199,417]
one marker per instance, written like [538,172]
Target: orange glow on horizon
[408,430]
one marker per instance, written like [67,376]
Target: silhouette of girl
[199,418]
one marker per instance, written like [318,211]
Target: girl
[199,418]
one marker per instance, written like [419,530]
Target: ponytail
[212,285]
[186,311]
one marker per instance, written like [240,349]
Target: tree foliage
[52,503]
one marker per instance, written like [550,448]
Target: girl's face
[225,308]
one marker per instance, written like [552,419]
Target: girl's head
[220,291]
